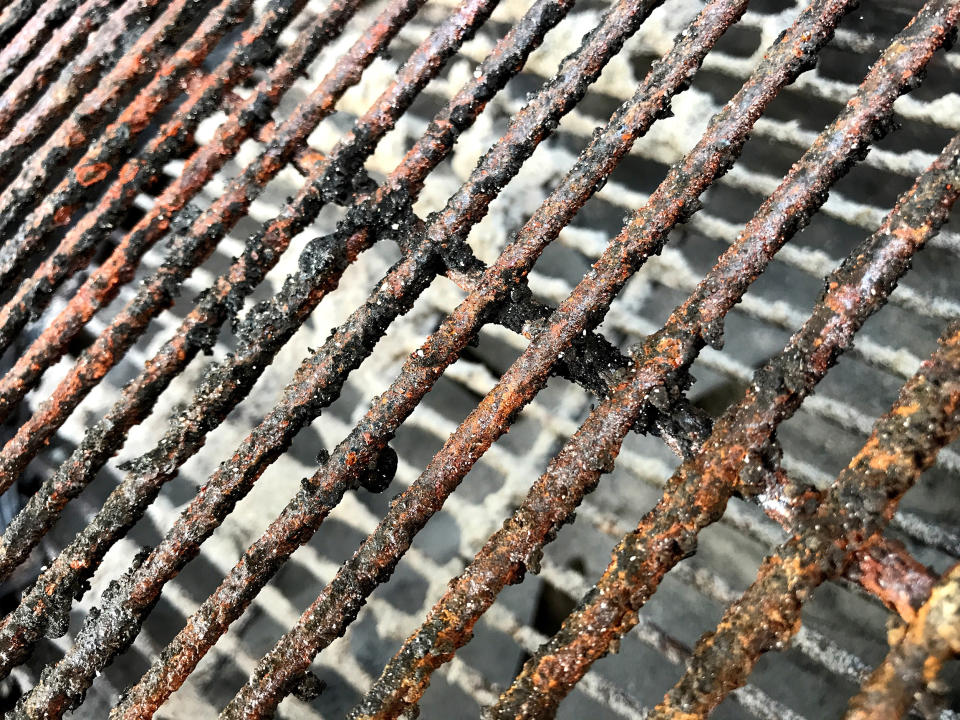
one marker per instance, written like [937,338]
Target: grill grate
[505,306]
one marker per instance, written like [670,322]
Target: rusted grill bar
[104,151]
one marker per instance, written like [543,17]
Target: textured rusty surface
[373,562]
[115,141]
[101,442]
[151,49]
[119,74]
[189,249]
[858,506]
[75,249]
[15,53]
[697,493]
[22,126]
[67,40]
[917,654]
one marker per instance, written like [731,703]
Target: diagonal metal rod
[903,444]
[76,248]
[21,629]
[151,48]
[190,248]
[67,40]
[917,654]
[64,685]
[272,323]
[697,493]
[97,163]
[15,54]
[14,16]
[346,347]
[341,600]
[104,439]
[102,49]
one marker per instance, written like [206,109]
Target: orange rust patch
[90,174]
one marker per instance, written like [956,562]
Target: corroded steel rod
[108,149]
[14,54]
[66,41]
[104,439]
[697,493]
[341,600]
[857,508]
[195,245]
[344,349]
[917,654]
[75,249]
[102,49]
[24,627]
[64,685]
[13,17]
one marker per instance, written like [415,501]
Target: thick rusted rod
[341,600]
[104,284]
[917,654]
[192,247]
[23,627]
[697,493]
[320,377]
[334,179]
[14,15]
[904,442]
[97,163]
[44,506]
[19,195]
[273,322]
[14,54]
[100,53]
[42,69]
[78,245]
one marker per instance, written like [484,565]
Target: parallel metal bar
[342,599]
[14,16]
[74,250]
[25,230]
[104,439]
[15,53]
[195,245]
[66,41]
[23,627]
[697,493]
[123,27]
[67,680]
[202,517]
[854,510]
[919,651]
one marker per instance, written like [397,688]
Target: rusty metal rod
[107,150]
[105,282]
[697,493]
[341,600]
[916,656]
[67,40]
[272,323]
[151,48]
[104,439]
[422,66]
[347,347]
[13,17]
[76,248]
[15,54]
[904,443]
[192,247]
[102,49]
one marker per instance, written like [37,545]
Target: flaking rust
[697,493]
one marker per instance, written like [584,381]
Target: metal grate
[440,187]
